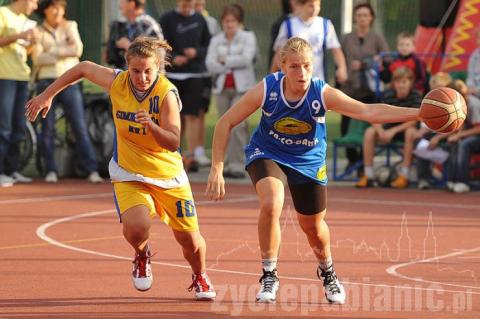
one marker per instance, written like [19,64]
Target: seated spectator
[466,141]
[230,58]
[58,49]
[406,58]
[401,94]
[412,135]
[123,33]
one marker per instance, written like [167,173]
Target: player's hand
[216,185]
[39,104]
[142,117]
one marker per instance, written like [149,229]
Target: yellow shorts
[175,206]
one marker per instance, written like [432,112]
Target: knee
[310,229]
[271,207]
[136,229]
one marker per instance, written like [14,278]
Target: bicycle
[101,130]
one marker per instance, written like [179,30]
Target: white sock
[405,171]
[199,151]
[325,264]
[369,172]
[269,264]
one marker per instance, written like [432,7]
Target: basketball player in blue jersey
[291,140]
[146,168]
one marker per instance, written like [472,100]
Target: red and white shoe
[142,271]
[203,287]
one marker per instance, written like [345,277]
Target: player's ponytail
[147,47]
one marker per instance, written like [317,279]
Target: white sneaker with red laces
[203,287]
[142,271]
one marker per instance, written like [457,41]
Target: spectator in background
[401,94]
[58,49]
[230,58]
[466,141]
[406,58]
[17,33]
[361,48]
[123,33]
[213,27]
[187,32]
[287,12]
[412,135]
[319,32]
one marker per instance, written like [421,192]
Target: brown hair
[235,10]
[295,45]
[405,35]
[148,47]
[302,2]
[367,6]
[440,79]
[403,73]
[47,3]
[139,4]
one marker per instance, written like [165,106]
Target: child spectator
[406,58]
[319,32]
[401,94]
[413,134]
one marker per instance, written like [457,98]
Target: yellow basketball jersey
[135,148]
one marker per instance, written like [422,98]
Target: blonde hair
[440,79]
[148,47]
[403,73]
[295,45]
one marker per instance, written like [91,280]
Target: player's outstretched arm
[98,74]
[239,112]
[339,102]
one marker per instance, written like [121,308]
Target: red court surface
[401,254]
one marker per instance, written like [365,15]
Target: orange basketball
[443,110]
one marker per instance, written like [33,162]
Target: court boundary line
[41,233]
[392,270]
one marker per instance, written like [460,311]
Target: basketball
[443,110]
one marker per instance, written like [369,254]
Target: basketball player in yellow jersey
[146,168]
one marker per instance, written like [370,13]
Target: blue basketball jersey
[293,135]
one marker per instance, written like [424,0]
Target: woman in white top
[57,50]
[230,58]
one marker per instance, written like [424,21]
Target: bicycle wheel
[28,146]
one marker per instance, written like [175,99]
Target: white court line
[54,198]
[392,270]
[41,233]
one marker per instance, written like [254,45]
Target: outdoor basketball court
[400,254]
